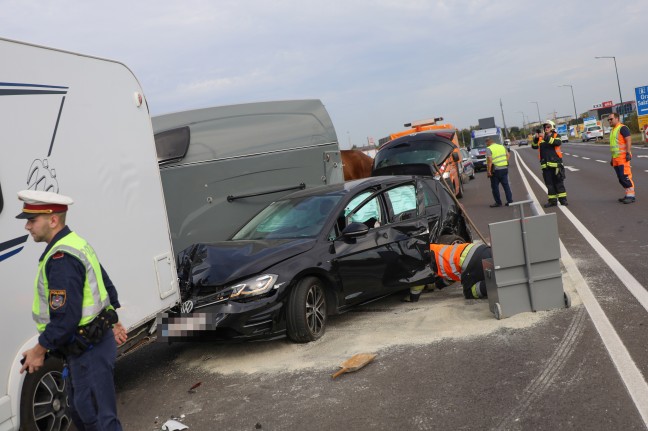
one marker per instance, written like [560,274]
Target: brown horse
[355,164]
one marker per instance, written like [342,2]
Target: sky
[375,64]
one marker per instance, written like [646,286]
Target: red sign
[607,104]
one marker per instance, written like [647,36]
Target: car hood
[220,263]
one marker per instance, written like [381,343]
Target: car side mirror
[354,230]
[455,157]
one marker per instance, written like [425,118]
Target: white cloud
[375,64]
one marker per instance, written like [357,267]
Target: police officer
[547,142]
[73,308]
[462,262]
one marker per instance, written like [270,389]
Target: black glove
[628,157]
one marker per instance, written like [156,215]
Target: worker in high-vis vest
[497,158]
[547,141]
[462,262]
[74,302]
[621,149]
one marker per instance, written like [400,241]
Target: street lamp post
[523,119]
[617,76]
[575,112]
[538,108]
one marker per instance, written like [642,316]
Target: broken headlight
[254,286]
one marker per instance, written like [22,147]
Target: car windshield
[410,153]
[290,218]
[593,129]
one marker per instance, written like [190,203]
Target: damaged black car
[310,255]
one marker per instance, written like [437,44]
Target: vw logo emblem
[186,307]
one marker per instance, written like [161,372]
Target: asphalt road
[444,363]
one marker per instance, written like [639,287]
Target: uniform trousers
[91,387]
[624,175]
[474,272]
[555,183]
[500,176]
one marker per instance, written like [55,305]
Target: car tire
[450,239]
[472,176]
[44,396]
[306,311]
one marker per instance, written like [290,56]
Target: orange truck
[438,131]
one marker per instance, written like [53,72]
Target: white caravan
[80,126]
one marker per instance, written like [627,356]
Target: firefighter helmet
[551,123]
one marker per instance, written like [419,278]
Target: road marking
[642,156]
[625,365]
[601,161]
[585,158]
[576,155]
[573,169]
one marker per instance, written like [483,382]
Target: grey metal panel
[541,236]
[253,128]
[241,150]
[507,281]
[333,167]
[196,196]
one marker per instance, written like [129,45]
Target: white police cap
[39,202]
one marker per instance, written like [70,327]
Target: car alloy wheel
[306,311]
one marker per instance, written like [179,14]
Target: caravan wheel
[44,401]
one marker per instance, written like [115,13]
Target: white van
[80,126]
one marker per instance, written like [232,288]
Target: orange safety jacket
[450,259]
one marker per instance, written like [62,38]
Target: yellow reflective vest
[617,142]
[498,152]
[95,295]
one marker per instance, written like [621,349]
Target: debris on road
[192,389]
[173,425]
[354,363]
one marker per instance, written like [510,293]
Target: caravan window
[172,144]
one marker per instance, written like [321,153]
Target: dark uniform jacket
[66,273]
[549,147]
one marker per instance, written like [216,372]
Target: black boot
[411,297]
[563,202]
[551,203]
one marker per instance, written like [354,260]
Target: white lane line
[625,365]
[573,169]
[585,158]
[602,161]
[643,155]
[576,155]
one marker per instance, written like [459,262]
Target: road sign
[642,100]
